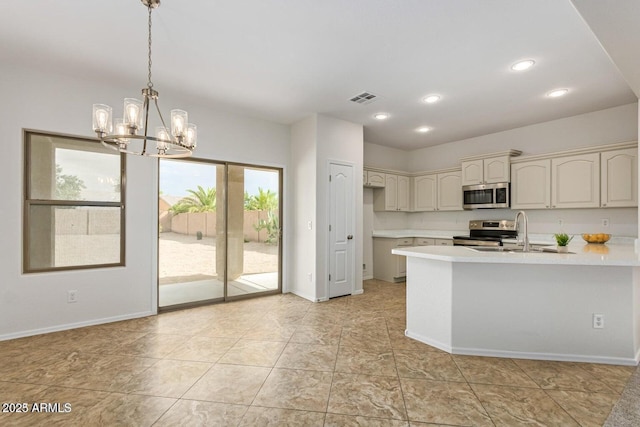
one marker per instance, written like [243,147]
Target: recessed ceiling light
[381,116]
[557,92]
[523,65]
[423,129]
[431,99]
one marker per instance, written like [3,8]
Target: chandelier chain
[149,83]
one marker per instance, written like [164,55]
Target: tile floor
[281,360]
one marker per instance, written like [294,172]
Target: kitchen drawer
[422,241]
[443,242]
[404,242]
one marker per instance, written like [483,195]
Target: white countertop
[583,254]
[534,239]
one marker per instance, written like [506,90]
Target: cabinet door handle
[350,236]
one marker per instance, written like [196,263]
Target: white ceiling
[284,59]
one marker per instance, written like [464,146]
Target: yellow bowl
[596,238]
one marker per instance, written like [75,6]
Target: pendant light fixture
[131,134]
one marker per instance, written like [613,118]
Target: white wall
[385,157]
[617,124]
[35,303]
[303,178]
[341,141]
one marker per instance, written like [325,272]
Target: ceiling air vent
[364,98]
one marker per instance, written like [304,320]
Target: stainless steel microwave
[486,196]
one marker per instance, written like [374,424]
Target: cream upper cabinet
[425,193]
[496,169]
[390,192]
[394,196]
[402,202]
[472,172]
[575,181]
[450,191]
[374,179]
[485,171]
[437,192]
[619,178]
[531,185]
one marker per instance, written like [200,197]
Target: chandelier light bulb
[163,136]
[132,113]
[102,122]
[122,129]
[192,135]
[179,120]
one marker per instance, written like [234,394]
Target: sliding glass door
[253,246]
[219,233]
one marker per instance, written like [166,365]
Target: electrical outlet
[310,275]
[598,321]
[560,222]
[72,296]
[605,222]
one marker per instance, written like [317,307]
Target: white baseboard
[546,356]
[607,360]
[370,277]
[358,292]
[433,343]
[76,325]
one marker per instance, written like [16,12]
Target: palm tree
[200,201]
[263,201]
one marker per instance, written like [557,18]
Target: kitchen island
[526,305]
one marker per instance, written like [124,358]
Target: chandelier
[131,133]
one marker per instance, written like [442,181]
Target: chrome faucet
[525,231]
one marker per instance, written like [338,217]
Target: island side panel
[544,312]
[429,302]
[636,310]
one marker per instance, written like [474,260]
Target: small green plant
[562,239]
[272,225]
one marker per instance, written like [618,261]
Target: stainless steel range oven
[488,232]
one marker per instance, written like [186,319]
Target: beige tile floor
[281,360]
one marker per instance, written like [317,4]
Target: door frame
[281,205]
[327,287]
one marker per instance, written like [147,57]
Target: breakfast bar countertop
[581,254]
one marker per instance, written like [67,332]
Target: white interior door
[341,226]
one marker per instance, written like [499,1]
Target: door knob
[350,236]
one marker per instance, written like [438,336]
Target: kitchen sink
[489,249]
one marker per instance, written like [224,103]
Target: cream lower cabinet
[575,181]
[387,266]
[619,178]
[393,268]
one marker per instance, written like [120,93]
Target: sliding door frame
[226,297]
